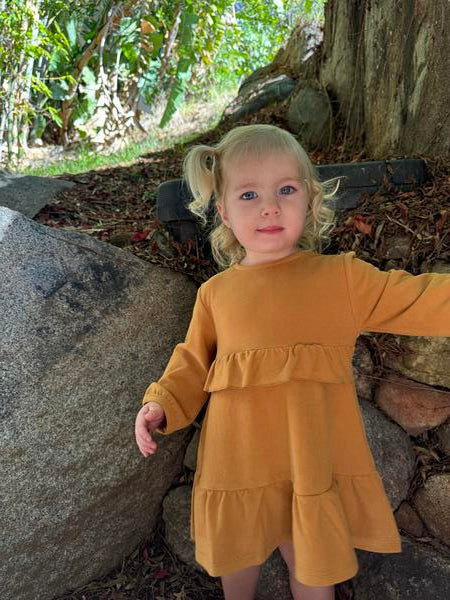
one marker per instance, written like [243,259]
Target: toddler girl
[283,460]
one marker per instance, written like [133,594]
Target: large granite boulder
[85,328]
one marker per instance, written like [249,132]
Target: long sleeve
[180,389]
[396,301]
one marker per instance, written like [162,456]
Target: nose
[271,206]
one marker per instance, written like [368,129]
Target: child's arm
[179,391]
[396,301]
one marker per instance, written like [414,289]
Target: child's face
[259,193]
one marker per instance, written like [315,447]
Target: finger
[146,449]
[144,439]
[142,431]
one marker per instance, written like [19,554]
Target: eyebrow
[255,183]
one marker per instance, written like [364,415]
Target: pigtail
[198,168]
[201,168]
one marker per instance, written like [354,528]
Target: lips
[271,228]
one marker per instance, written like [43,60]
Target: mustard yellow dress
[283,454]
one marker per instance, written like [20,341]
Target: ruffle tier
[234,529]
[280,364]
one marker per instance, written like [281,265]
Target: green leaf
[130,52]
[157,40]
[58,60]
[177,91]
[88,76]
[39,86]
[280,5]
[55,116]
[83,111]
[71,28]
[58,89]
[128,28]
[183,73]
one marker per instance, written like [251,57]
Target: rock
[443,433]
[414,406]
[274,579]
[417,573]
[86,328]
[363,369]
[392,452]
[432,502]
[309,116]
[427,360]
[256,94]
[177,521]
[29,194]
[408,520]
[397,246]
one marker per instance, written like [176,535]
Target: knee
[241,585]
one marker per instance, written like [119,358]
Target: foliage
[186,58]
[25,40]
[255,34]
[86,70]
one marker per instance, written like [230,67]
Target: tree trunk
[26,92]
[387,65]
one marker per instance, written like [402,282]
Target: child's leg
[241,585]
[299,590]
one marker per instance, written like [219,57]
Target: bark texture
[386,65]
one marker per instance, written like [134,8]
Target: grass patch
[90,160]
[194,118]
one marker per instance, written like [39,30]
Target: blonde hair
[203,171]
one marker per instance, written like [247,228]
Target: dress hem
[318,578]
[389,547]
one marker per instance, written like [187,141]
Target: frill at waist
[280,364]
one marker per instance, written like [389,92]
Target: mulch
[117,205]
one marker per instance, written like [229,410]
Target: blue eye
[290,189]
[247,194]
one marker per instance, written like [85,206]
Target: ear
[221,210]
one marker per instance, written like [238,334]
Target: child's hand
[148,419]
